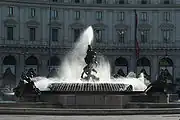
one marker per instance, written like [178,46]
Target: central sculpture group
[91,61]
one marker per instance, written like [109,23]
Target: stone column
[154,68]
[19,67]
[132,62]
[110,28]
[43,71]
[66,27]
[111,62]
[175,68]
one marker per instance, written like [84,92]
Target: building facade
[32,31]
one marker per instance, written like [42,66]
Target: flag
[136,41]
[137,49]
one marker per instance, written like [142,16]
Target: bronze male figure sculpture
[90,60]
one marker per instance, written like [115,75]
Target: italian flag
[136,41]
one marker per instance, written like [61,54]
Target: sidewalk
[53,111]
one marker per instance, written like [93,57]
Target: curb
[52,111]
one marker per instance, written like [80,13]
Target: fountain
[82,60]
[84,80]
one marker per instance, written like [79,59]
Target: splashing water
[137,83]
[72,67]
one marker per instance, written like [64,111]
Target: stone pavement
[91,112]
[131,117]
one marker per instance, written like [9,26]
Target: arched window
[9,62]
[54,61]
[53,65]
[143,62]
[167,64]
[31,63]
[144,65]
[121,63]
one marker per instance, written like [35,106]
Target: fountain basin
[89,87]
[89,95]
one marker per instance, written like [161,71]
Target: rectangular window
[120,16]
[144,36]
[98,15]
[32,34]
[121,36]
[54,14]
[76,1]
[99,35]
[77,15]
[33,12]
[166,2]
[120,2]
[54,0]
[167,16]
[54,34]
[99,1]
[144,16]
[10,33]
[77,33]
[143,1]
[166,35]
[11,11]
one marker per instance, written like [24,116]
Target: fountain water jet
[72,66]
[73,63]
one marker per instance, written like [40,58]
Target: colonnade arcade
[144,64]
[121,63]
[30,62]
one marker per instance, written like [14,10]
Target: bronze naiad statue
[91,61]
[159,85]
[26,87]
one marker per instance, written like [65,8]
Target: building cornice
[32,23]
[165,26]
[121,26]
[144,26]
[10,22]
[102,50]
[76,25]
[55,24]
[99,26]
[93,6]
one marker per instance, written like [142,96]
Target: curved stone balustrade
[89,87]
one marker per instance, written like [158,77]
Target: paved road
[132,117]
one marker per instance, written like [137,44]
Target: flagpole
[135,42]
[49,64]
